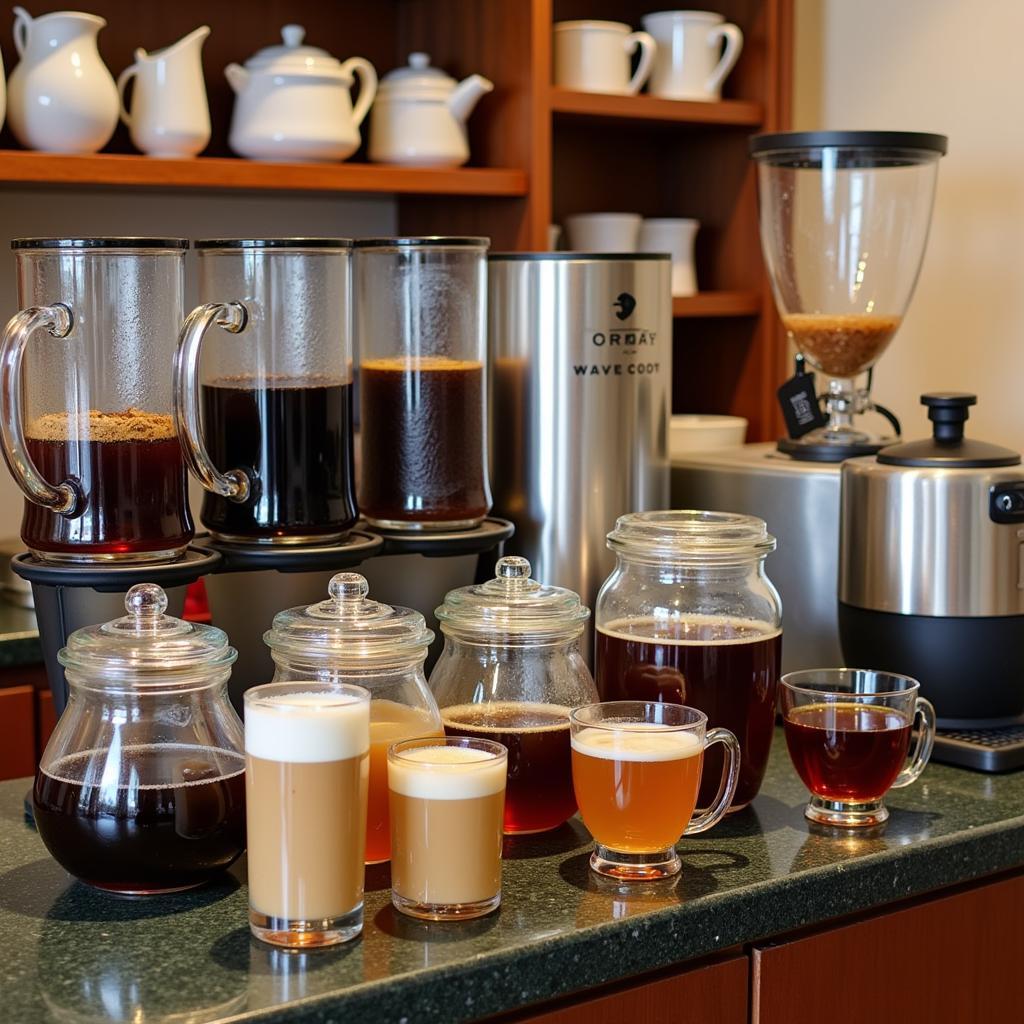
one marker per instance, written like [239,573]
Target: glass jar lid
[512,604]
[690,536]
[146,645]
[348,630]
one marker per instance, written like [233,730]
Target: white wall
[954,67]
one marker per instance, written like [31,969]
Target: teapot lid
[292,56]
[418,79]
[146,645]
[349,630]
[513,604]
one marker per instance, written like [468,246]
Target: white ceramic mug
[554,236]
[690,63]
[603,232]
[594,56]
[675,235]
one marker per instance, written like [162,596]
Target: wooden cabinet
[17,732]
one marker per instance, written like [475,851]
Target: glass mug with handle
[636,768]
[849,731]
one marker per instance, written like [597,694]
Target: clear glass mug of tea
[511,671]
[351,639]
[689,616]
[420,307]
[86,421]
[141,787]
[849,733]
[265,420]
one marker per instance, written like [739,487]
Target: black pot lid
[947,448]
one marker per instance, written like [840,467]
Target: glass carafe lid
[147,647]
[349,630]
[513,605]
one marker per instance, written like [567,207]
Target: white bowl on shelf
[700,432]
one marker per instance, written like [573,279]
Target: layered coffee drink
[423,441]
[130,477]
[307,768]
[389,723]
[540,794]
[841,344]
[446,815]
[726,667]
[292,436]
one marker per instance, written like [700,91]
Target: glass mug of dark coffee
[849,732]
[422,339]
[265,420]
[86,421]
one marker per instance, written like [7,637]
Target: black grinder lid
[947,448]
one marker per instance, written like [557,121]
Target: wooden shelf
[213,173]
[739,113]
[718,304]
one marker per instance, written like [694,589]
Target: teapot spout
[237,76]
[465,95]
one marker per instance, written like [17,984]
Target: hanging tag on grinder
[799,402]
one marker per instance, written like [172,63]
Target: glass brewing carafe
[688,616]
[422,337]
[511,671]
[350,639]
[86,414]
[266,419]
[141,787]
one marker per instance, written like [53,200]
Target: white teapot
[293,102]
[420,115]
[61,97]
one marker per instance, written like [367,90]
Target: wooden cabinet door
[952,960]
[713,994]
[17,732]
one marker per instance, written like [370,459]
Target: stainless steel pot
[931,567]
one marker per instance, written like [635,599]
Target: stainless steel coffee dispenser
[581,370]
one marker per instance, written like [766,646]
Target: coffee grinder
[844,221]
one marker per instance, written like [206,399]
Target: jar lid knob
[514,573]
[348,590]
[146,603]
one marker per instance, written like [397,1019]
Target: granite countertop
[68,953]
[19,636]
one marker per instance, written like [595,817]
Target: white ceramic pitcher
[61,97]
[170,116]
[690,62]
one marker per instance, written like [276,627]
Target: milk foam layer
[307,727]
[446,773]
[641,741]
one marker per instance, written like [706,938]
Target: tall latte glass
[307,747]
[447,808]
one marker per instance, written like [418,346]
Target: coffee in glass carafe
[266,420]
[421,334]
[86,421]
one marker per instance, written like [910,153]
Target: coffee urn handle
[232,316]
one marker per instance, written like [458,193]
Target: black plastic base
[804,452]
[971,669]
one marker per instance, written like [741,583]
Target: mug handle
[122,84]
[22,20]
[925,742]
[648,47]
[58,321]
[367,76]
[233,317]
[726,788]
[733,47]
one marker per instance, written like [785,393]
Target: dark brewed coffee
[133,838]
[130,475]
[727,668]
[293,437]
[423,440]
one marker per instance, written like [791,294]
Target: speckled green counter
[19,637]
[68,953]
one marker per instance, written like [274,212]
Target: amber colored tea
[728,668]
[540,794]
[636,785]
[850,752]
[129,471]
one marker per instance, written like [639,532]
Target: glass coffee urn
[844,222]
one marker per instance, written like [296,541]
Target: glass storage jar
[350,639]
[141,787]
[511,671]
[688,616]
